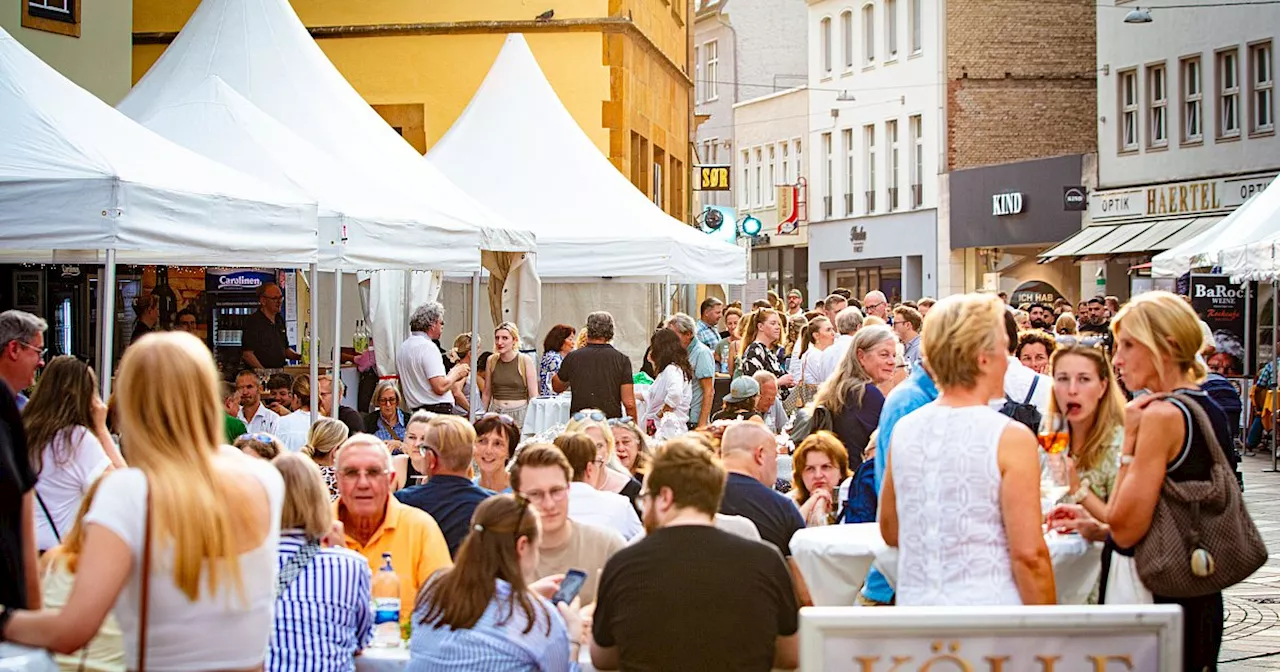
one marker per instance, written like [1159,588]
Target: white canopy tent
[1253,257]
[80,182]
[1224,244]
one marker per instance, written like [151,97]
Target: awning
[1133,238]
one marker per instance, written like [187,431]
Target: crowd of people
[135,526]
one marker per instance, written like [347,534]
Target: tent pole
[337,341]
[473,399]
[666,297]
[313,360]
[1275,380]
[107,323]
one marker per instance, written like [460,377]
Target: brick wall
[1021,80]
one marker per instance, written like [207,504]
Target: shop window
[1262,116]
[52,16]
[869,169]
[1192,101]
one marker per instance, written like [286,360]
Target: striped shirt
[490,646]
[325,615]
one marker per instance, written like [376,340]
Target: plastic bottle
[306,343]
[386,605]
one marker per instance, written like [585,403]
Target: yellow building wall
[98,60]
[611,82]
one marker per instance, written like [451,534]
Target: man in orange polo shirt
[375,522]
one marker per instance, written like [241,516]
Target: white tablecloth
[394,660]
[545,413]
[15,658]
[835,559]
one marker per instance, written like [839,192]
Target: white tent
[1253,255]
[1257,220]
[79,178]
[518,148]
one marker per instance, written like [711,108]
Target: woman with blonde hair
[1066,325]
[730,346]
[323,439]
[818,335]
[211,512]
[260,445]
[614,477]
[851,394]
[511,377]
[460,353]
[961,488]
[1087,402]
[323,616]
[819,465]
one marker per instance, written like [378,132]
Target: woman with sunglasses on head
[629,446]
[68,444]
[260,445]
[511,377]
[487,612]
[325,437]
[614,477]
[211,513]
[496,439]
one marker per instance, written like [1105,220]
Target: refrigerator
[232,296]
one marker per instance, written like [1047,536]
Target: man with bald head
[749,452]
[876,304]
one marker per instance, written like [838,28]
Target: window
[827,177]
[712,88]
[744,194]
[53,16]
[891,139]
[1128,111]
[1157,105]
[849,188]
[796,154]
[698,84]
[677,188]
[868,35]
[869,159]
[659,186]
[1262,116]
[1228,94]
[771,196]
[917,44]
[891,29]
[917,162]
[759,177]
[786,164]
[824,43]
[1192,101]
[846,40]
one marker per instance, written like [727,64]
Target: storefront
[1002,217]
[1129,226]
[896,254]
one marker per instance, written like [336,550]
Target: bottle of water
[306,343]
[386,605]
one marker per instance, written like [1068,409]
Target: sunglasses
[593,415]
[624,421]
[259,437]
[501,416]
[1068,341]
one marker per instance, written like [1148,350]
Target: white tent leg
[474,398]
[107,324]
[666,298]
[314,346]
[337,341]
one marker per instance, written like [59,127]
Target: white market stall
[80,182]
[1224,244]
[262,51]
[518,148]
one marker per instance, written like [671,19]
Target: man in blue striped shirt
[710,312]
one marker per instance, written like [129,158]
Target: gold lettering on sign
[1047,663]
[951,659]
[1100,662]
[866,663]
[1182,198]
[996,664]
[714,178]
[1151,201]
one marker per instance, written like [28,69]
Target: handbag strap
[52,525]
[293,568]
[146,589]
[1203,423]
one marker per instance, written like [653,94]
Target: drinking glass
[1055,469]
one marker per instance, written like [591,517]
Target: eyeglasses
[41,351]
[593,415]
[501,416]
[259,437]
[383,402]
[556,494]
[273,298]
[355,474]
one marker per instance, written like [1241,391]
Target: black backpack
[810,419]
[1025,412]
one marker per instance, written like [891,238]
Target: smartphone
[573,582]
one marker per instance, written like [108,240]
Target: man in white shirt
[256,417]
[589,505]
[423,380]
[795,303]
[1018,379]
[847,323]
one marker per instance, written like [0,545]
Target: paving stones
[1251,635]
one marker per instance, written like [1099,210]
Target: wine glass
[1055,468]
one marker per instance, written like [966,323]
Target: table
[394,660]
[14,658]
[547,412]
[834,561]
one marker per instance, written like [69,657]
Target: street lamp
[1138,15]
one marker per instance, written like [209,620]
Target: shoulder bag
[1201,539]
[145,579]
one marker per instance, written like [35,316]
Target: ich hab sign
[1137,638]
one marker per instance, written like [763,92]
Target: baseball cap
[796,293]
[742,389]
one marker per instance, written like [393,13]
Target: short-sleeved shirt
[596,372]
[418,361]
[589,547]
[707,335]
[416,545]
[69,464]
[16,480]
[266,339]
[450,500]
[704,366]
[775,515]
[692,597]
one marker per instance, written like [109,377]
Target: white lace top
[951,537]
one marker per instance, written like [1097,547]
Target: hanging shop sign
[1224,306]
[713,178]
[1074,199]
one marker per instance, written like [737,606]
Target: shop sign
[1223,305]
[1006,204]
[1195,197]
[237,279]
[713,178]
[1074,199]
[858,236]
[1034,292]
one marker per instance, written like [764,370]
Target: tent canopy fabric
[1253,255]
[517,147]
[362,224]
[77,175]
[263,51]
[1254,222]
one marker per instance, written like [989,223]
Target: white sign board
[1137,638]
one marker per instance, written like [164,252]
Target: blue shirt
[776,516]
[704,366]
[707,334]
[450,500]
[325,615]
[381,431]
[914,392]
[492,644]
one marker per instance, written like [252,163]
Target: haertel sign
[1192,198]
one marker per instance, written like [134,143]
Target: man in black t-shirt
[19,580]
[689,596]
[599,374]
[265,343]
[750,454]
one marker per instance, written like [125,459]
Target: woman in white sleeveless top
[214,526]
[961,493]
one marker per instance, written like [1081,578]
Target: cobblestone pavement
[1251,638]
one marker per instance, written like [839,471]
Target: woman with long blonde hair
[511,377]
[322,441]
[851,394]
[1087,402]
[199,519]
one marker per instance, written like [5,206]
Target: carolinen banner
[1225,307]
